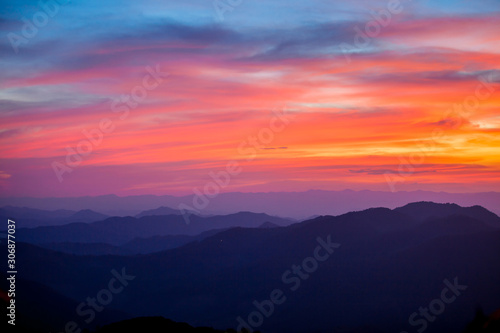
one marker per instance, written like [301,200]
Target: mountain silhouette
[297,205]
[422,211]
[267,225]
[163,210]
[42,309]
[31,218]
[120,230]
[388,265]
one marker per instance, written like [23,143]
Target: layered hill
[362,271]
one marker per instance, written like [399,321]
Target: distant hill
[31,218]
[135,246]
[159,212]
[297,205]
[88,249]
[120,230]
[162,243]
[86,215]
[267,225]
[422,211]
[388,265]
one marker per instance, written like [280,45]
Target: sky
[165,97]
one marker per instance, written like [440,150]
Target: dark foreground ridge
[155,324]
[421,267]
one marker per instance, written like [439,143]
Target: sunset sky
[288,89]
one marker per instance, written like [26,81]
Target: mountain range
[381,266]
[297,205]
[120,230]
[31,217]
